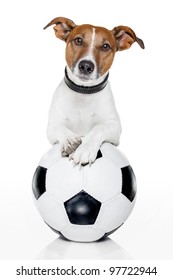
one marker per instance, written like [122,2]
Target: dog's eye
[106,47]
[78,41]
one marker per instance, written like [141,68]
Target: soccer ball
[84,203]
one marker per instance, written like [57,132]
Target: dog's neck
[86,87]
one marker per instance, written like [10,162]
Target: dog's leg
[67,140]
[108,131]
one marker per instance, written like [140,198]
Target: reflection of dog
[83,114]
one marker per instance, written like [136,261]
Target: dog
[83,115]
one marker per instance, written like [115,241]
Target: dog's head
[90,49]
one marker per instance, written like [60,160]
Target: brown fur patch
[103,36]
[104,59]
[73,52]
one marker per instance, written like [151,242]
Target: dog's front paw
[84,154]
[69,145]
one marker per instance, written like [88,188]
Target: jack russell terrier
[83,115]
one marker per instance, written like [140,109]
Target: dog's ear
[125,37]
[63,27]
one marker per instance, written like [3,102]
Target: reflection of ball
[84,203]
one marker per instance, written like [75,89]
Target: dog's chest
[81,116]
[80,112]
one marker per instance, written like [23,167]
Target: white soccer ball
[84,203]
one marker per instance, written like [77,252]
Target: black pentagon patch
[39,182]
[82,209]
[128,182]
[99,155]
[56,231]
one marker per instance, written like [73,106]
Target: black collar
[84,89]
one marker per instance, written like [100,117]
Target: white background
[32,64]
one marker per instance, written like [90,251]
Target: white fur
[90,117]
[92,41]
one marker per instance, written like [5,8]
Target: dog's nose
[86,67]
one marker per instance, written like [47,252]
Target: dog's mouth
[86,78]
[83,79]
